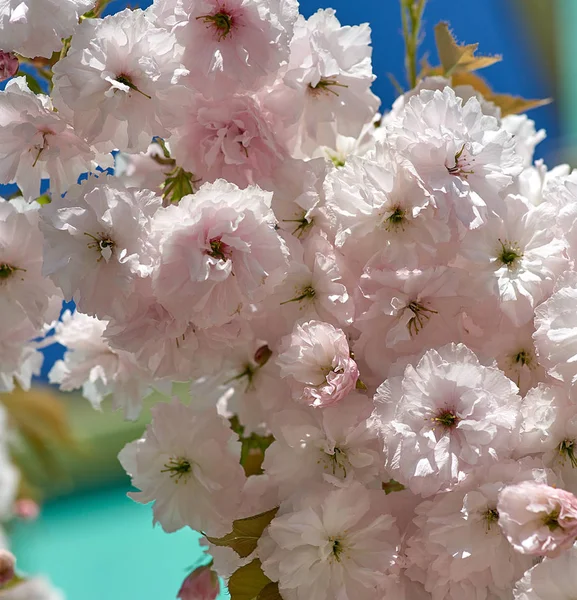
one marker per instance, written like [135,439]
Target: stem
[411,17]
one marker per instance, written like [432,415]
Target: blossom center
[421,314]
[221,22]
[463,164]
[491,516]
[523,358]
[6,271]
[336,461]
[396,219]
[446,418]
[325,87]
[304,293]
[551,520]
[177,468]
[303,224]
[103,244]
[127,81]
[337,548]
[218,249]
[567,450]
[509,254]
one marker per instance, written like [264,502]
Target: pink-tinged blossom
[378,203]
[457,550]
[549,430]
[465,157]
[187,464]
[37,143]
[314,288]
[444,418]
[219,253]
[119,80]
[325,90]
[91,364]
[201,584]
[405,311]
[97,243]
[538,519]
[19,357]
[143,170]
[512,347]
[9,65]
[516,257]
[24,292]
[317,361]
[232,139]
[165,346]
[327,542]
[556,334]
[34,28]
[334,444]
[230,44]
[551,579]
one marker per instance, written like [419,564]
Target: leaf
[270,592]
[392,486]
[513,105]
[245,533]
[474,80]
[248,582]
[33,83]
[40,418]
[44,199]
[455,57]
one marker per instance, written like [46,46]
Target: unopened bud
[7,565]
[26,509]
[262,355]
[201,584]
[8,65]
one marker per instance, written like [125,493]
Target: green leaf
[33,83]
[392,486]
[44,199]
[270,592]
[459,57]
[248,582]
[245,533]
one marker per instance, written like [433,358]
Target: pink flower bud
[26,509]
[201,584]
[7,565]
[8,65]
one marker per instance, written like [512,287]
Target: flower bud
[8,65]
[262,355]
[26,509]
[201,584]
[7,565]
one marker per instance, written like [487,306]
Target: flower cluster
[370,319]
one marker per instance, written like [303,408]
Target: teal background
[102,546]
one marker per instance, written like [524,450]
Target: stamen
[178,468]
[567,450]
[7,270]
[458,169]
[509,253]
[446,419]
[419,318]
[221,21]
[325,85]
[491,517]
[307,292]
[124,79]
